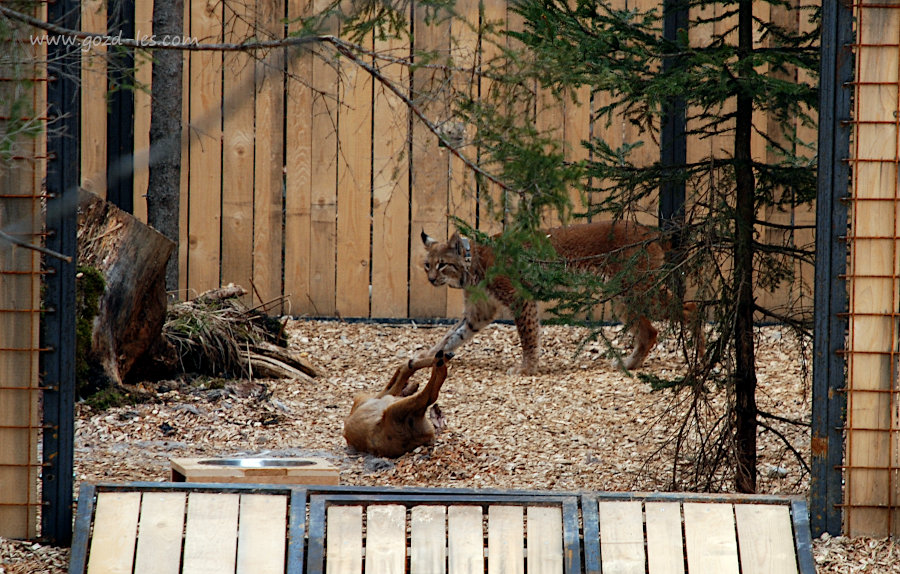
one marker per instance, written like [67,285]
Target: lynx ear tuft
[427,240]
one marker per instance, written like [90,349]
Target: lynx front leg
[478,316]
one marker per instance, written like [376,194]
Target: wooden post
[871,492]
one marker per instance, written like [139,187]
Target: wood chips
[580,424]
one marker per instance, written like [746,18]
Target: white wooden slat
[343,540]
[622,537]
[386,538]
[161,530]
[710,538]
[210,535]
[115,533]
[766,539]
[665,543]
[544,536]
[262,534]
[506,537]
[465,540]
[428,540]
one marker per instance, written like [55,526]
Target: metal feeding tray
[306,470]
[258,462]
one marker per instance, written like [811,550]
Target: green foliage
[635,74]
[89,286]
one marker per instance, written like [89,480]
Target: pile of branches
[219,335]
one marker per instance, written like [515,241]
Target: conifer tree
[750,79]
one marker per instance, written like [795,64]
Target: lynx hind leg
[645,335]
[528,325]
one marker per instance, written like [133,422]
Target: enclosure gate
[872,450]
[169,527]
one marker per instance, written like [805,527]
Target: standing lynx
[604,247]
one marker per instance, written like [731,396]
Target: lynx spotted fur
[602,246]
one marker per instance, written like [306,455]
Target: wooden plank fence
[872,446]
[306,179]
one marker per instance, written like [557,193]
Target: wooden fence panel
[314,184]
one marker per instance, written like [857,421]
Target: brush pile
[217,334]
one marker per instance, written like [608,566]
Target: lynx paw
[527,370]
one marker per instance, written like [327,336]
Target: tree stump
[132,258]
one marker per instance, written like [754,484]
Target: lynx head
[447,263]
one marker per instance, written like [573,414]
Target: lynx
[603,247]
[394,422]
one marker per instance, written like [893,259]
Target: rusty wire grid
[872,438]
[22,125]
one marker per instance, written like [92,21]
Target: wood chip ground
[579,424]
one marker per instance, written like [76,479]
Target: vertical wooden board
[550,121]
[465,540]
[428,540]
[143,23]
[390,187]
[622,536]
[870,417]
[491,197]
[430,183]
[115,533]
[766,539]
[323,179]
[210,533]
[386,538]
[463,198]
[238,150]
[577,130]
[665,544]
[269,159]
[710,538]
[298,168]
[506,537]
[354,192]
[160,533]
[343,543]
[205,176]
[93,101]
[184,186]
[262,534]
[142,102]
[544,540]
[20,300]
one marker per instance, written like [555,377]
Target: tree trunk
[164,185]
[745,217]
[132,259]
